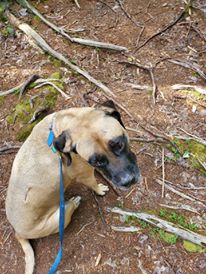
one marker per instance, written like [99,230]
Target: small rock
[143,238]
[202,112]
[162,270]
[23,12]
[201,264]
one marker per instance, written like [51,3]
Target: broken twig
[125,228]
[183,195]
[190,65]
[180,16]
[180,206]
[60,30]
[8,148]
[150,70]
[43,44]
[191,87]
[168,226]
[26,84]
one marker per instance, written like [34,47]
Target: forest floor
[89,236]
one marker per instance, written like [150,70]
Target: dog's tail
[29,254]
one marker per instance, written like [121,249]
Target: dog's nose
[130,181]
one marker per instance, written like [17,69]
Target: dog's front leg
[91,182]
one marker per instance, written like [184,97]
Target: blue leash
[61,206]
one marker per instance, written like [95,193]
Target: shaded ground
[87,236]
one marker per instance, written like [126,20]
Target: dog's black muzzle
[123,172]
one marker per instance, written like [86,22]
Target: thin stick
[85,42]
[99,209]
[196,88]
[149,69]
[163,172]
[162,30]
[43,44]
[131,191]
[146,184]
[168,226]
[26,84]
[128,15]
[8,148]
[181,206]
[188,197]
[125,228]
[83,227]
[77,3]
[187,64]
[194,136]
[54,86]
[10,91]
[144,140]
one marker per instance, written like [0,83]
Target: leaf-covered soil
[89,233]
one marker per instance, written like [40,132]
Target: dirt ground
[90,233]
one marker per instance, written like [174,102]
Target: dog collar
[51,137]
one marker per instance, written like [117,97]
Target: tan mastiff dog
[85,138]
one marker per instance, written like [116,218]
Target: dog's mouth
[117,183]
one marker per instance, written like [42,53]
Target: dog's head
[100,138]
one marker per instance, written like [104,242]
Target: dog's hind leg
[51,225]
[29,254]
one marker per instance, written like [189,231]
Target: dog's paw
[102,189]
[76,200]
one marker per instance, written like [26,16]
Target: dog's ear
[110,109]
[63,144]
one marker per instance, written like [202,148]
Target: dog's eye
[98,161]
[117,146]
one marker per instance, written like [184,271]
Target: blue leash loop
[61,206]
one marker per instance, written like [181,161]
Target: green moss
[23,111]
[192,93]
[56,75]
[168,237]
[24,132]
[2,99]
[174,217]
[36,20]
[10,119]
[191,247]
[195,151]
[55,62]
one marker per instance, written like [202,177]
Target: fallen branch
[85,42]
[187,64]
[194,137]
[26,84]
[43,44]
[168,226]
[180,16]
[139,87]
[38,113]
[150,70]
[180,206]
[10,91]
[55,87]
[8,148]
[196,88]
[183,195]
[125,228]
[22,87]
